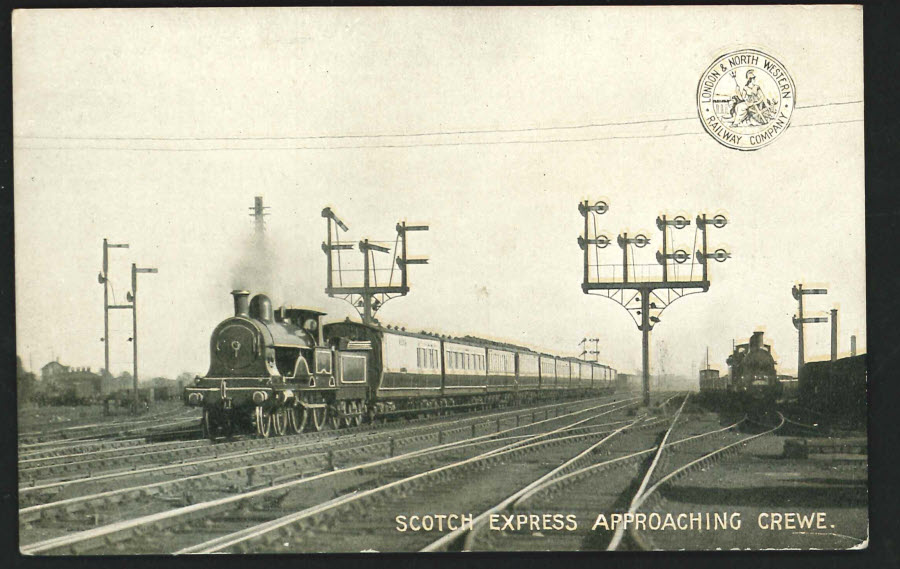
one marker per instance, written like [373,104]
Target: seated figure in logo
[750,105]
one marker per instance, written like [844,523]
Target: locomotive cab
[302,362]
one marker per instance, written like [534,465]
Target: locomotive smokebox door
[236,346]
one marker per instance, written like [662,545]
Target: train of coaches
[278,371]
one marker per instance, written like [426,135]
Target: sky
[157,127]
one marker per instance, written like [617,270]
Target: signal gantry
[648,295]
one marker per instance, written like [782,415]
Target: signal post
[798,293]
[371,296]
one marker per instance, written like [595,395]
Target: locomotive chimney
[241,303]
[756,341]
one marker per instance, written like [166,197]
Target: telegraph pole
[647,295]
[103,278]
[132,296]
[799,292]
[369,297]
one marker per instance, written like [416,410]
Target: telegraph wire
[398,135]
[420,145]
[417,145]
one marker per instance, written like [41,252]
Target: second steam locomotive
[278,371]
[752,378]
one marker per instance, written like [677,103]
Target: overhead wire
[404,134]
[394,135]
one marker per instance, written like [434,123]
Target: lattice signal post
[371,296]
[258,213]
[647,296]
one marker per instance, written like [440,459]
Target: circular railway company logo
[745,99]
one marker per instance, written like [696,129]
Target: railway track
[237,482]
[509,525]
[625,482]
[176,430]
[583,491]
[131,456]
[681,466]
[347,518]
[62,437]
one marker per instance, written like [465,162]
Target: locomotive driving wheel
[318,415]
[280,421]
[297,418]
[337,416]
[349,409]
[263,422]
[356,408]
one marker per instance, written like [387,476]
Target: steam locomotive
[278,371]
[753,376]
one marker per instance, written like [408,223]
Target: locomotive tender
[283,371]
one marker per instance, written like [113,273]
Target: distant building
[80,381]
[52,370]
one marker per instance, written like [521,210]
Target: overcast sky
[157,128]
